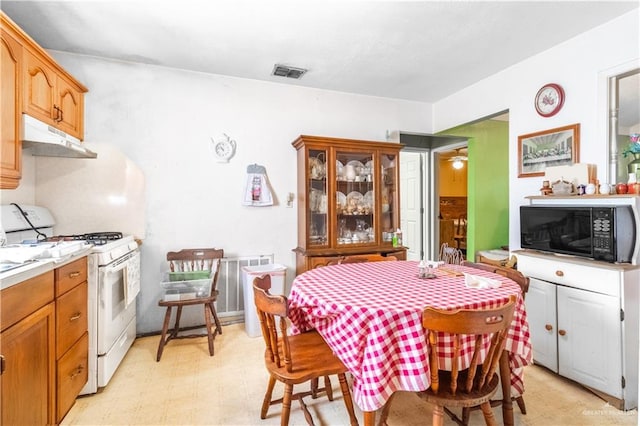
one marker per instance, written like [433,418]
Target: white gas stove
[113,280]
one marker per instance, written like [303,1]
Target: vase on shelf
[633,186]
[634,165]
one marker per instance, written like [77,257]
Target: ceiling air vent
[289,72]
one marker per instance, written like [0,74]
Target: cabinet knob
[74,274]
[559,273]
[548,327]
[78,370]
[562,332]
[75,316]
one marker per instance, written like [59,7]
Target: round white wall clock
[549,99]
[224,149]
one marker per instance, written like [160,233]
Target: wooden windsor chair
[505,371]
[476,385]
[204,261]
[294,359]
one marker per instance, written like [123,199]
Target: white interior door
[411,203]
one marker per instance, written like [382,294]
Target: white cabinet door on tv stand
[590,339]
[541,314]
[584,322]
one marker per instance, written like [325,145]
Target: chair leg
[266,402]
[176,325]
[489,418]
[207,320]
[438,415]
[163,336]
[384,414]
[348,402]
[214,314]
[505,382]
[286,405]
[466,413]
[328,388]
[521,406]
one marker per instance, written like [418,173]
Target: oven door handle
[121,263]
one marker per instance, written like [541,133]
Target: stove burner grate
[96,238]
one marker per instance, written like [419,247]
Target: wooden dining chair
[187,261]
[450,255]
[460,235]
[294,359]
[512,274]
[479,382]
[505,371]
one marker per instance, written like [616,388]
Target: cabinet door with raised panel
[541,314]
[590,339]
[70,103]
[28,379]
[10,93]
[39,89]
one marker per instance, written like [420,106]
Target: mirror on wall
[624,120]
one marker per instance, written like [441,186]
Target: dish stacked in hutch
[348,199]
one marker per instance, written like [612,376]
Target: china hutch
[348,199]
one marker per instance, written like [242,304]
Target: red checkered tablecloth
[370,315]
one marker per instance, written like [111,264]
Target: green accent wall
[488,184]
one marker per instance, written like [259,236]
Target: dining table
[370,314]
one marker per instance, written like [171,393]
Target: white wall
[162,120]
[578,65]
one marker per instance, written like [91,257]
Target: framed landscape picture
[554,147]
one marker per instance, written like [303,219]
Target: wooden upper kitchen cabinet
[27,381]
[10,94]
[33,83]
[348,199]
[51,95]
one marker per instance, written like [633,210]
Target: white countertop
[33,269]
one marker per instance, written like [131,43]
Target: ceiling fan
[458,160]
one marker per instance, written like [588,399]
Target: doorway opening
[485,143]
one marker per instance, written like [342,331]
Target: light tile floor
[188,387]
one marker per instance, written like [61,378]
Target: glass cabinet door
[318,202]
[355,203]
[389,196]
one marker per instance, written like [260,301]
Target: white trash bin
[278,274]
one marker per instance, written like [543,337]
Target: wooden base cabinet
[72,338]
[348,199]
[27,347]
[44,345]
[583,320]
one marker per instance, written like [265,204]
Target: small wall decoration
[554,147]
[257,192]
[224,149]
[549,99]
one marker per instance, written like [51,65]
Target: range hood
[46,141]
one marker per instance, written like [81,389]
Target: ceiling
[414,50]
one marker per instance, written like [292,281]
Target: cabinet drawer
[22,299]
[72,375]
[576,275]
[70,275]
[71,318]
[315,262]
